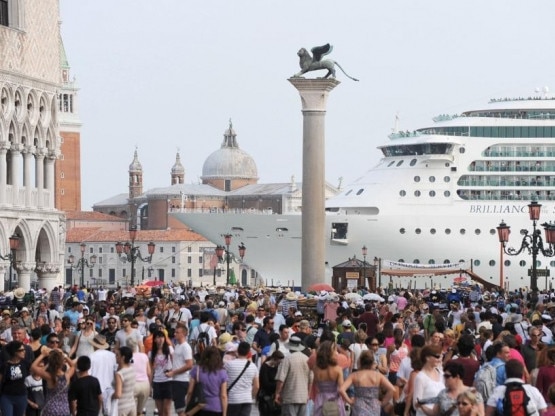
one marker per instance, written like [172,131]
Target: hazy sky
[170,74]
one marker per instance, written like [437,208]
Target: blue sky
[169,75]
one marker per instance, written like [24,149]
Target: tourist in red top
[463,356]
[546,374]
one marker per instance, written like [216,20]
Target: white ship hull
[436,197]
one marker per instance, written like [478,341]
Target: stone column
[39,177]
[314,94]
[23,271]
[3,175]
[15,173]
[27,180]
[49,162]
[48,276]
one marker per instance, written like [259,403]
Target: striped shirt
[242,390]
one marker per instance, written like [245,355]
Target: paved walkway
[150,409]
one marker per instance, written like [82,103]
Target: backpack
[516,400]
[486,380]
[203,341]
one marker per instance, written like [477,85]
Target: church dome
[229,162]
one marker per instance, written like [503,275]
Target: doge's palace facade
[29,142]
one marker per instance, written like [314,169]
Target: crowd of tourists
[454,352]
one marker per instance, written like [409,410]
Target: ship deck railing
[214,210]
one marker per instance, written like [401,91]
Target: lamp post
[227,239]
[364,254]
[219,254]
[532,243]
[82,262]
[14,245]
[130,252]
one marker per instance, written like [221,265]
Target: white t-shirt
[181,353]
[103,367]
[536,398]
[202,328]
[426,388]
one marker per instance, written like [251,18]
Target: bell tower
[135,177]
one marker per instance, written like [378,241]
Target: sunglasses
[21,350]
[54,341]
[446,375]
[375,345]
[436,355]
[462,404]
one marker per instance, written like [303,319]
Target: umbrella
[353,297]
[373,297]
[318,287]
[459,279]
[153,283]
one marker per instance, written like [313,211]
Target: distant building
[229,182]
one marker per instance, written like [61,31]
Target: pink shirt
[401,303]
[140,363]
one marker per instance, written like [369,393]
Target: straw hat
[291,296]
[223,340]
[99,341]
[294,344]
[19,293]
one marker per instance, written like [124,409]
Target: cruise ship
[433,200]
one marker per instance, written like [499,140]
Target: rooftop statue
[314,63]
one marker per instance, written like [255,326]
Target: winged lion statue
[315,62]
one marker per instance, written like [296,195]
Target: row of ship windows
[476,262]
[520,151]
[506,195]
[462,231]
[411,163]
[418,193]
[497,180]
[511,166]
[493,131]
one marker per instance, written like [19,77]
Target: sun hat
[221,304]
[19,293]
[294,344]
[6,312]
[223,340]
[99,341]
[291,296]
[346,323]
[298,313]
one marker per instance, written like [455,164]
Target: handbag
[330,408]
[197,396]
[268,405]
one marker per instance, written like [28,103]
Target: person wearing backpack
[204,335]
[514,397]
[487,376]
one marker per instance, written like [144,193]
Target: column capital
[314,92]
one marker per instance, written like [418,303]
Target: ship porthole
[403,193]
[463,231]
[432,179]
[492,263]
[418,231]
[522,263]
[476,262]
[492,231]
[447,194]
[432,193]
[507,263]
[417,179]
[433,231]
[447,179]
[477,231]
[447,231]
[416,193]
[413,162]
[402,231]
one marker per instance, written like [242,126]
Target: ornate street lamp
[364,254]
[130,252]
[532,243]
[82,262]
[14,245]
[242,250]
[219,254]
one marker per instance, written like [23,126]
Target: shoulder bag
[238,377]
[197,397]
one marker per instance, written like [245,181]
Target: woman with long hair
[267,377]
[125,383]
[13,371]
[211,373]
[143,375]
[546,374]
[453,374]
[429,381]
[161,363]
[328,378]
[57,373]
[367,385]
[357,347]
[396,353]
[87,332]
